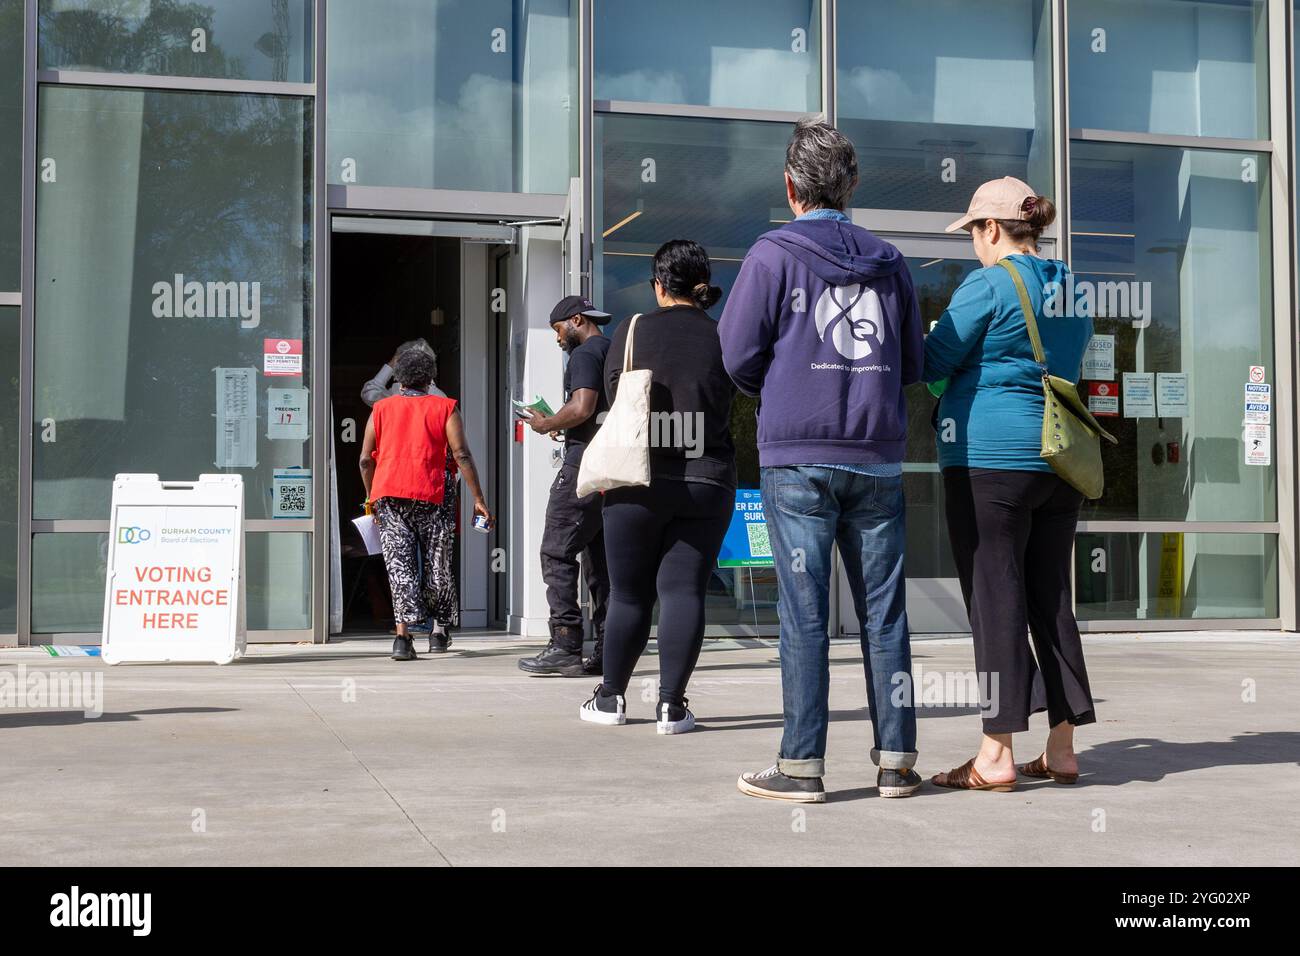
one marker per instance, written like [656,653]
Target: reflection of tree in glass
[221,194]
[112,35]
[224,196]
[275,43]
[11,157]
[744,435]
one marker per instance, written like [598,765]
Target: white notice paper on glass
[286,413]
[236,418]
[1139,395]
[1099,359]
[1258,441]
[1171,394]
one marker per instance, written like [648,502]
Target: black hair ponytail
[681,267]
[706,295]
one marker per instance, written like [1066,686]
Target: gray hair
[422,346]
[822,163]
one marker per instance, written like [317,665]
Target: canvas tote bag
[619,454]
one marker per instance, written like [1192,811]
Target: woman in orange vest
[412,492]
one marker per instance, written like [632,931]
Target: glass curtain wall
[174,263]
[1174,244]
[715,178]
[939,96]
[228,39]
[453,94]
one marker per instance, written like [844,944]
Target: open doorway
[384,290]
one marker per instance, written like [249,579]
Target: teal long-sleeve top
[991,413]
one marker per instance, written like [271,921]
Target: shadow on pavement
[1148,759]
[60,718]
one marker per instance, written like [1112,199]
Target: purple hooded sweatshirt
[823,326]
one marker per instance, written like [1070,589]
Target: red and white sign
[1103,399]
[174,587]
[1256,374]
[282,356]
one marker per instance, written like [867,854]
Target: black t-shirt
[689,387]
[585,369]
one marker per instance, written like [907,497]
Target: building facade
[218,220]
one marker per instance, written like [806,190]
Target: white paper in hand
[369,533]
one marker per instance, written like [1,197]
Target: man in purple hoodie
[824,327]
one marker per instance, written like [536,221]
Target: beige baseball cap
[1003,198]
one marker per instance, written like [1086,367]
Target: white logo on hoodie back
[852,316]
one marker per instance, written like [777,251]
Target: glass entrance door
[934,602]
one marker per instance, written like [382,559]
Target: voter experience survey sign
[746,544]
[174,588]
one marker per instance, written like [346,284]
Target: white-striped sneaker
[674,718]
[610,710]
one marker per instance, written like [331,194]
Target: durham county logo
[851,314]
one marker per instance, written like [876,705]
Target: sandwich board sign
[174,590]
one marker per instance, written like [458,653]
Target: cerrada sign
[174,588]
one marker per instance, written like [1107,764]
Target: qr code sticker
[759,544]
[293,498]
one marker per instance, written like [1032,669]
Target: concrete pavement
[336,755]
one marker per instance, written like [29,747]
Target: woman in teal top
[1011,520]
[991,412]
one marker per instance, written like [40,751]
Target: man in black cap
[573,524]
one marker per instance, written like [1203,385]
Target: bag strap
[1027,308]
[627,345]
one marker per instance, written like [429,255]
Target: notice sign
[1259,404]
[1171,394]
[236,418]
[746,544]
[174,587]
[1139,395]
[1099,359]
[1258,440]
[282,356]
[286,413]
[1103,399]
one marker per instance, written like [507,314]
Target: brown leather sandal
[966,777]
[1038,768]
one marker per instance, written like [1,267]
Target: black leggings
[1012,538]
[661,539]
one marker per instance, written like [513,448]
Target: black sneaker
[595,664]
[439,639]
[772,784]
[404,649]
[553,661]
[674,718]
[897,783]
[608,709]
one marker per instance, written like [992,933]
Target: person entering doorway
[382,386]
[573,524]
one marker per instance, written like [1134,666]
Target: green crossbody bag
[1071,436]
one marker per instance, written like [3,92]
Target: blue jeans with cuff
[810,508]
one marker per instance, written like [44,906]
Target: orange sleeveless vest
[411,447]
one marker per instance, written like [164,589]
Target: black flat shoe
[439,641]
[404,649]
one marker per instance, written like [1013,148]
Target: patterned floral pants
[419,540]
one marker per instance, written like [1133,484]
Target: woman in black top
[663,539]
